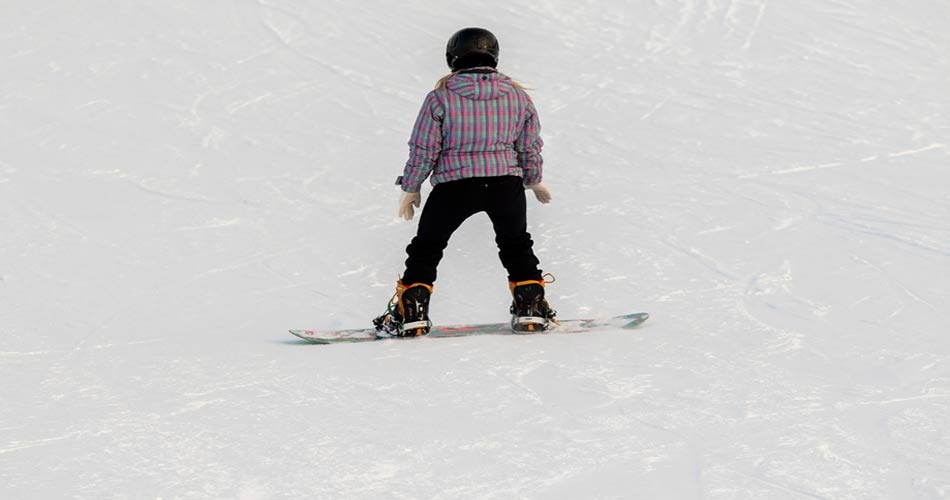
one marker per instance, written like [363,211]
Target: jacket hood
[480,86]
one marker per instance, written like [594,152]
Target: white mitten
[541,192]
[407,202]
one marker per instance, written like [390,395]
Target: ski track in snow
[182,183]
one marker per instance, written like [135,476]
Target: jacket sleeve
[528,147]
[425,144]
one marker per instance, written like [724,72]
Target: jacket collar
[478,70]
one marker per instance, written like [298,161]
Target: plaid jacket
[478,125]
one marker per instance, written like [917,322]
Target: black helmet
[471,47]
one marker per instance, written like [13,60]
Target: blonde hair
[439,85]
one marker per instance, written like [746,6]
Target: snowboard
[624,322]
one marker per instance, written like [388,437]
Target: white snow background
[183,181]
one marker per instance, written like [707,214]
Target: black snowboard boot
[414,309]
[408,312]
[529,310]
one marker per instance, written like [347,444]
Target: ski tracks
[737,20]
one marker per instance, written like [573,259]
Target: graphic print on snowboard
[625,322]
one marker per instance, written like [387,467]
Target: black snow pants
[451,203]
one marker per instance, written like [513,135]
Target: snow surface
[183,181]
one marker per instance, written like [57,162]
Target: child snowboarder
[477,135]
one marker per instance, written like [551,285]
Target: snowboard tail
[624,322]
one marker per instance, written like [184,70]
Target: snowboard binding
[407,314]
[530,312]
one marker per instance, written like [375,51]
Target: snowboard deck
[624,322]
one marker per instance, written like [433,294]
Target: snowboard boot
[414,309]
[408,312]
[530,312]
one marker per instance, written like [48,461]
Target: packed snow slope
[183,181]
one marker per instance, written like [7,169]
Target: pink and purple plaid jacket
[478,125]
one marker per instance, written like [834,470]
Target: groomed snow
[183,181]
